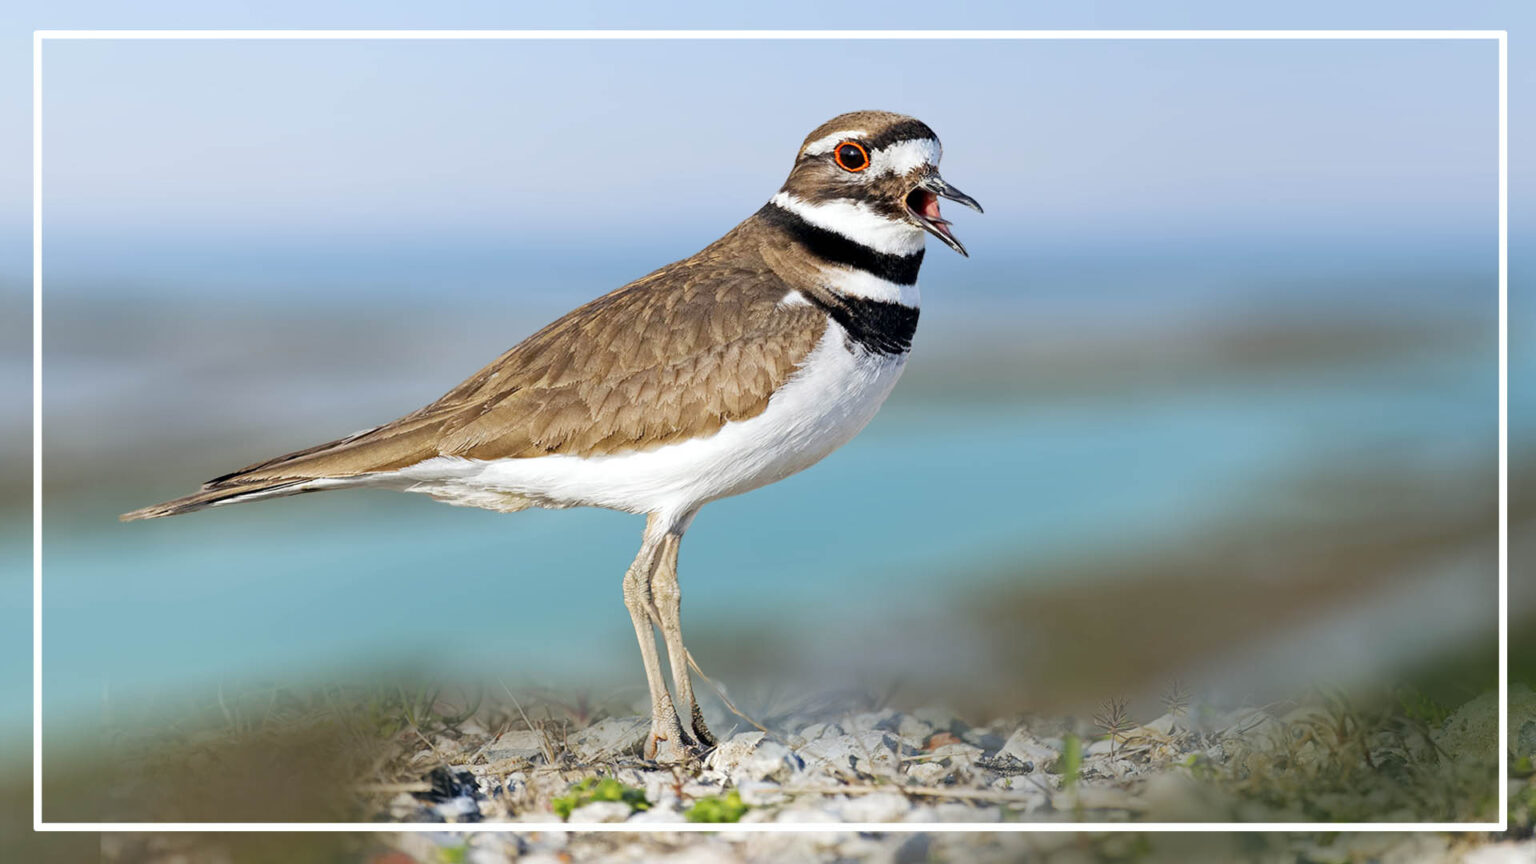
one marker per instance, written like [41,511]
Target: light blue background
[1062,163]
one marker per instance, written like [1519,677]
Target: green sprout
[1416,705]
[718,808]
[599,789]
[1071,763]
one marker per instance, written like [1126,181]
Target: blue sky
[545,141]
[386,165]
[1064,131]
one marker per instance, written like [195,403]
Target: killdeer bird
[717,374]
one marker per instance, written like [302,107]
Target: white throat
[858,222]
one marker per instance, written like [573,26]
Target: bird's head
[873,176]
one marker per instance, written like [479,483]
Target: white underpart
[833,395]
[858,222]
[905,156]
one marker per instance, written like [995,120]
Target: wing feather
[672,356]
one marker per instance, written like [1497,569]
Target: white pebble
[877,807]
[600,811]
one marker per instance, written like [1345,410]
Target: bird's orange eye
[851,156]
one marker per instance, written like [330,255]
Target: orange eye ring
[853,162]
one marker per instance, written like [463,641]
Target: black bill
[923,204]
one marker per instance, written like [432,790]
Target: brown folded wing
[673,356]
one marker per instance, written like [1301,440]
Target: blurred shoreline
[1100,403]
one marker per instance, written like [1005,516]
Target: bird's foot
[671,742]
[666,743]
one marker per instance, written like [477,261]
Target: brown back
[672,356]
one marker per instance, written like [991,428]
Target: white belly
[826,403]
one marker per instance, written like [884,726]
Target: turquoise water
[908,515]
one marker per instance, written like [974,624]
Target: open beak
[923,205]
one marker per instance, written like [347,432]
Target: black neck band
[837,249]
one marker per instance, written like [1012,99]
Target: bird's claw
[665,743]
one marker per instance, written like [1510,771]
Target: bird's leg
[668,598]
[665,742]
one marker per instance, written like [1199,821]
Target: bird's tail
[335,464]
[217,493]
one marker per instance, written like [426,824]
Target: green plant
[1071,762]
[599,789]
[718,808]
[1417,705]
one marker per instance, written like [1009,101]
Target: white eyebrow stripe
[904,156]
[901,157]
[858,222]
[825,145]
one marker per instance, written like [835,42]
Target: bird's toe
[665,749]
[666,743]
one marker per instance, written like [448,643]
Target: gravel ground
[572,767]
[881,766]
[959,847]
[923,766]
[824,769]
